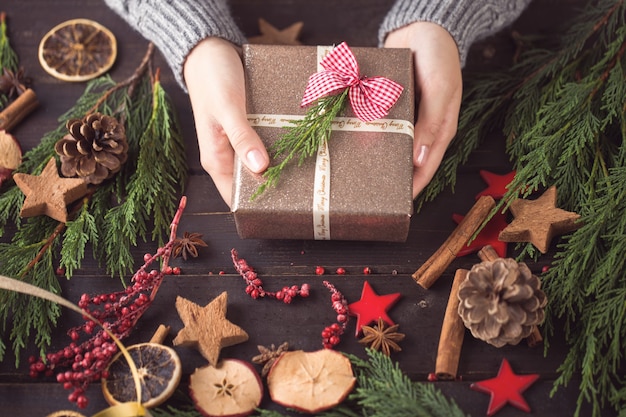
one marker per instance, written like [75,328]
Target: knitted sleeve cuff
[176,26]
[466,20]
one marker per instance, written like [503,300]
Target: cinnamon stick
[18,109]
[160,334]
[432,269]
[488,253]
[452,333]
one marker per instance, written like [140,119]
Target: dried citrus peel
[160,371]
[77,50]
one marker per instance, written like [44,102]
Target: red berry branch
[331,335]
[254,286]
[86,361]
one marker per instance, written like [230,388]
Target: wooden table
[419,312]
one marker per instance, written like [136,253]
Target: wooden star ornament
[206,328]
[372,307]
[48,193]
[506,388]
[272,36]
[538,221]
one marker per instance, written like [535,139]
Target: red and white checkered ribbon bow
[370,97]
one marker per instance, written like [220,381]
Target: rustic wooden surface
[419,312]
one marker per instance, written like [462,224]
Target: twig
[130,81]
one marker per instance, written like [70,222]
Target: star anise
[268,356]
[381,338]
[187,245]
[12,84]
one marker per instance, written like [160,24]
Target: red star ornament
[487,236]
[506,387]
[496,184]
[371,307]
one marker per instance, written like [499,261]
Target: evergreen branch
[79,232]
[151,191]
[384,390]
[303,138]
[151,126]
[42,315]
[8,57]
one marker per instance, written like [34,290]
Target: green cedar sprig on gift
[303,138]
[112,217]
[562,112]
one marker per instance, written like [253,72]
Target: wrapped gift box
[371,169]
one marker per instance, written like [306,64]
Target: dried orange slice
[233,388]
[159,369]
[310,382]
[77,50]
[66,413]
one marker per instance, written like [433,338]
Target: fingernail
[421,156]
[255,160]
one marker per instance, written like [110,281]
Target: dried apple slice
[233,388]
[311,382]
[159,369]
[10,155]
[77,50]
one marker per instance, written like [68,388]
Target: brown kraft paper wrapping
[371,172]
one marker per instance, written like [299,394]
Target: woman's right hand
[215,80]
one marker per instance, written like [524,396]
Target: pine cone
[501,301]
[95,148]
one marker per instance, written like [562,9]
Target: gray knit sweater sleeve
[466,20]
[176,26]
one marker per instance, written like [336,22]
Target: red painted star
[487,236]
[371,307]
[496,184]
[505,388]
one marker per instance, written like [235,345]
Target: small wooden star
[371,307]
[48,193]
[538,221]
[506,387]
[487,236]
[496,184]
[206,328]
[272,36]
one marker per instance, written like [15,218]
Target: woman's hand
[214,77]
[438,88]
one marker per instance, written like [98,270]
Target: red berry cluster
[331,335]
[80,363]
[254,287]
